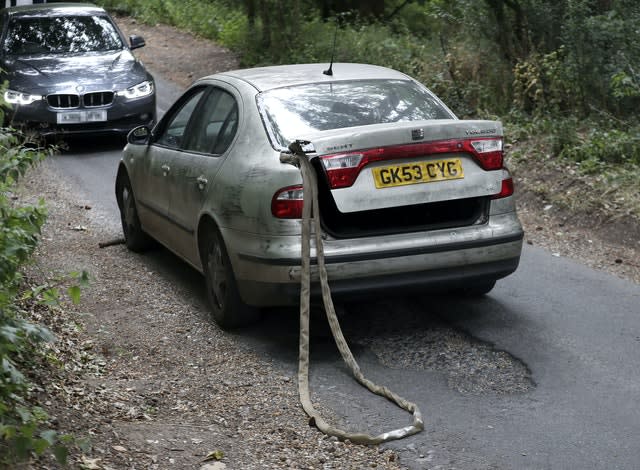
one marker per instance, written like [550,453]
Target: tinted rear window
[61,35]
[292,112]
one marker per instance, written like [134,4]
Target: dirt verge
[147,379]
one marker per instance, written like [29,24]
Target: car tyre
[135,237]
[478,289]
[227,308]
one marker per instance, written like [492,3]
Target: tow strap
[311,222]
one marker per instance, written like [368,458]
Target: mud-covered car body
[69,70]
[410,196]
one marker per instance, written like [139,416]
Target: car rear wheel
[227,308]
[135,238]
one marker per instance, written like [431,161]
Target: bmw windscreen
[61,35]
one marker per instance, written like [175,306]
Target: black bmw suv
[69,70]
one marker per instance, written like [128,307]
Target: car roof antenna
[329,71]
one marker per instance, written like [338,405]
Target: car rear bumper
[432,280]
[437,260]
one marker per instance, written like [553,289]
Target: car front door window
[174,132]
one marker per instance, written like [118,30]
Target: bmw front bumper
[119,117]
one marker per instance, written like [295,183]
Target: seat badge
[417,134]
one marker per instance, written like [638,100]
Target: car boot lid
[399,133]
[378,166]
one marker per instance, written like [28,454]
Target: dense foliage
[19,229]
[23,430]
[537,56]
[561,74]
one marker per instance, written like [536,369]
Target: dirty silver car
[411,198]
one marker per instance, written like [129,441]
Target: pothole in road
[402,338]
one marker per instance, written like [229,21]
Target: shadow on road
[415,333]
[90,144]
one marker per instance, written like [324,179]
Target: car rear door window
[215,125]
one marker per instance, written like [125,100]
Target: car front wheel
[135,238]
[227,308]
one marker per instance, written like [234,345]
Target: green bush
[564,135]
[542,73]
[458,73]
[23,431]
[600,148]
[208,19]
[19,229]
[541,84]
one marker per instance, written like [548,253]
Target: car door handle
[202,182]
[165,169]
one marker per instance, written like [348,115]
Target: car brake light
[505,190]
[287,203]
[343,169]
[488,153]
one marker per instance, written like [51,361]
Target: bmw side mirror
[136,41]
[140,135]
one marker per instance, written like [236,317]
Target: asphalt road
[543,373]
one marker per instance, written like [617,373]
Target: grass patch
[579,167]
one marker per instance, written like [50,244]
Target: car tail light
[505,190]
[343,169]
[287,203]
[487,152]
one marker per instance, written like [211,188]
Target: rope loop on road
[311,223]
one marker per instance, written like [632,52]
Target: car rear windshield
[293,112]
[61,35]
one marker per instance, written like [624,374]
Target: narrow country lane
[542,373]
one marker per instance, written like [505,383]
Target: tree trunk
[512,35]
[265,10]
[251,12]
[365,8]
[368,8]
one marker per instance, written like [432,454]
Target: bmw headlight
[138,91]
[20,98]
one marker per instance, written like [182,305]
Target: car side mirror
[136,41]
[140,135]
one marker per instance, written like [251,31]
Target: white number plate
[74,117]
